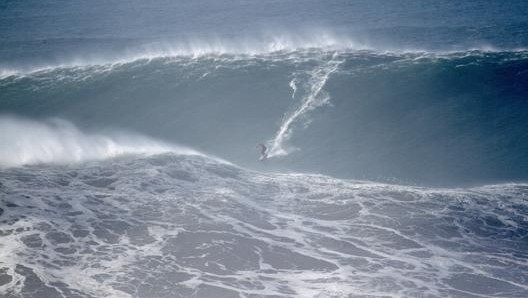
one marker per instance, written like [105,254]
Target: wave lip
[26,142]
[261,44]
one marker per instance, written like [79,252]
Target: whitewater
[181,225]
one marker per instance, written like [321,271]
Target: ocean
[395,133]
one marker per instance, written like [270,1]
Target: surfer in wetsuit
[263,149]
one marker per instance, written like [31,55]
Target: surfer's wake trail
[312,97]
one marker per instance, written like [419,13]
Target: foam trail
[314,98]
[24,142]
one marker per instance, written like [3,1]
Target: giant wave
[426,118]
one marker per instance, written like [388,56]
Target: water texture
[395,131]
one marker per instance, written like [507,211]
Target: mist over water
[397,149]
[26,142]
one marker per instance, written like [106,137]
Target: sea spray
[24,142]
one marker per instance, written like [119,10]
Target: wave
[412,118]
[26,142]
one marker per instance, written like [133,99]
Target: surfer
[263,149]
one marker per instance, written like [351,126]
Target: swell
[408,117]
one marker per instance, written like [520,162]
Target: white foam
[25,142]
[298,208]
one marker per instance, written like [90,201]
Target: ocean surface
[396,135]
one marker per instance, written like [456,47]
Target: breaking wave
[25,142]
[447,118]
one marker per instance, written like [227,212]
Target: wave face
[188,226]
[426,118]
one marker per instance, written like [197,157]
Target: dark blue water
[128,165]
